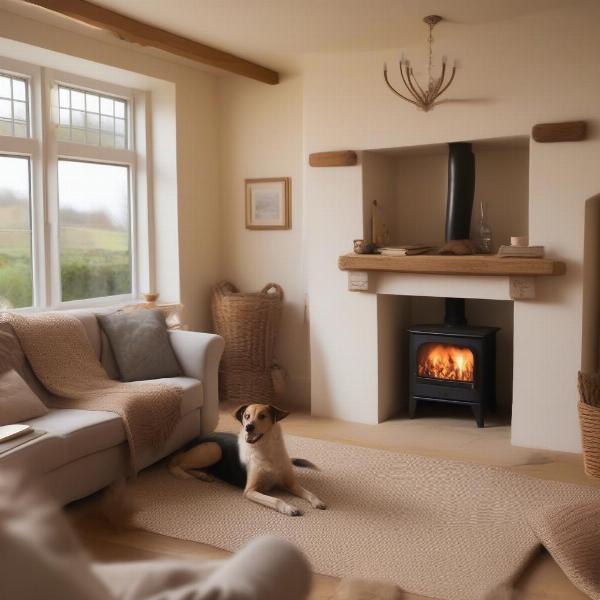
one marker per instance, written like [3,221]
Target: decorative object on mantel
[380,234]
[589,419]
[459,247]
[360,247]
[519,240]
[249,323]
[404,250]
[268,203]
[569,131]
[485,231]
[424,99]
[521,251]
[338,158]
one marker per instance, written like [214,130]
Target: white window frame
[45,150]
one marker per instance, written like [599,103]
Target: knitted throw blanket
[64,361]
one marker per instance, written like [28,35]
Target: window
[67,202]
[16,288]
[89,118]
[94,230]
[14,106]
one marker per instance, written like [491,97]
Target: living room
[187,109]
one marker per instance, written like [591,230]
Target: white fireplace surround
[355,349]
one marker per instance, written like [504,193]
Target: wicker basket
[589,419]
[249,324]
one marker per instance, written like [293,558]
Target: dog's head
[258,419]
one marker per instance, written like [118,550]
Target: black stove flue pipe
[459,206]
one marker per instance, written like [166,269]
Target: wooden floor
[438,433]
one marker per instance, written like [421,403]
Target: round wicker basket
[249,323]
[589,418]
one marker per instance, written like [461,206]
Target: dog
[256,460]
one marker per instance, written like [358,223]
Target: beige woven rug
[440,528]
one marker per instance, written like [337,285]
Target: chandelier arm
[410,76]
[439,83]
[448,84]
[416,82]
[394,89]
[408,87]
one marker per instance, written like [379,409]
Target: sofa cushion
[83,432]
[193,392]
[17,401]
[140,343]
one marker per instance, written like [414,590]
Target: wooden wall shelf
[476,265]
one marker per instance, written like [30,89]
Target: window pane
[5,110]
[92,103]
[15,89]
[64,97]
[119,109]
[77,100]
[107,106]
[16,290]
[90,112]
[20,129]
[94,230]
[4,86]
[19,111]
[19,90]
[77,118]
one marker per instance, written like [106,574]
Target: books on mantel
[405,250]
[521,252]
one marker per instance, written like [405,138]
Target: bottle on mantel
[485,232]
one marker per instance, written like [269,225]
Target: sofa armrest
[199,355]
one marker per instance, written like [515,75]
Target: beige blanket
[63,359]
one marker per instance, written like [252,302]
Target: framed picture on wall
[268,203]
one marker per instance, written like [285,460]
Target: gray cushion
[140,344]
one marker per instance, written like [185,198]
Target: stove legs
[478,413]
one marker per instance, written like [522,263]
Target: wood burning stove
[453,362]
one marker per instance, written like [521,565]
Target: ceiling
[276,33]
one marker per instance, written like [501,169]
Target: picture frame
[268,203]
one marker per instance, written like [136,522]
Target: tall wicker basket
[589,419]
[249,323]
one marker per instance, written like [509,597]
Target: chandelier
[425,99]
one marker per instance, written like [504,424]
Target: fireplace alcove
[410,186]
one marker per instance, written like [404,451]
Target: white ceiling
[276,33]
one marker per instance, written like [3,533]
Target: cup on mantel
[519,240]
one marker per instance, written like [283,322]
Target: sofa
[83,451]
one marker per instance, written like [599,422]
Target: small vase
[485,232]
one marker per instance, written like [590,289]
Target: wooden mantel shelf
[519,273]
[477,264]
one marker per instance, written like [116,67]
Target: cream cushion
[17,401]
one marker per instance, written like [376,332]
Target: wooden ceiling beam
[134,31]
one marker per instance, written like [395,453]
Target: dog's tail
[305,464]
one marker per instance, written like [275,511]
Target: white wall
[261,136]
[514,74]
[185,140]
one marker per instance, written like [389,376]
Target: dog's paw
[291,511]
[320,505]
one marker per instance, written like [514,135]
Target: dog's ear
[239,413]
[277,413]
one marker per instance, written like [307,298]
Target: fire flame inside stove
[439,361]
